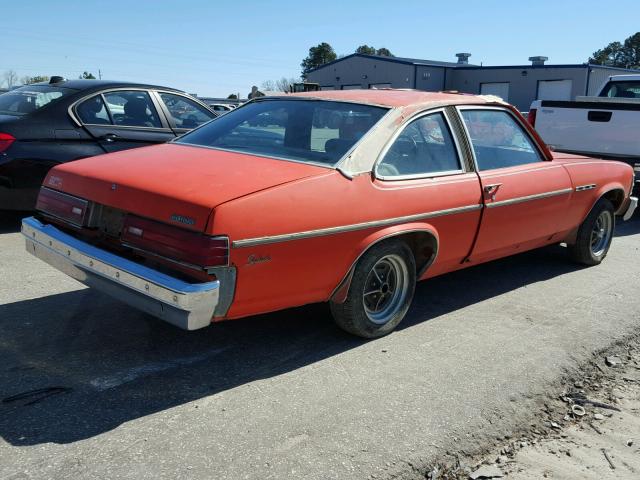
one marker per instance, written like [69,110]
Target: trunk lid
[174,184]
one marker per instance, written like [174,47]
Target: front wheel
[380,293]
[594,235]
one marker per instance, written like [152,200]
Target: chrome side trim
[529,198]
[251,242]
[582,188]
[186,305]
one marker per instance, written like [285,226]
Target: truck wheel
[380,293]
[594,235]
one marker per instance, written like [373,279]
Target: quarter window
[497,139]
[185,113]
[93,112]
[425,147]
[132,109]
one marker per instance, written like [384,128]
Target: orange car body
[296,230]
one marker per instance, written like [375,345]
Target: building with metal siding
[521,84]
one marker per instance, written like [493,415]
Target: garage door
[499,89]
[554,89]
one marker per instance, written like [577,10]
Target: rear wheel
[594,235]
[380,293]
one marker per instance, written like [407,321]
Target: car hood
[173,183]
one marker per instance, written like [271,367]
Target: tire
[594,235]
[381,291]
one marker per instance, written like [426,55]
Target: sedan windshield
[304,130]
[28,99]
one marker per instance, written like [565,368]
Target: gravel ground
[119,394]
[590,430]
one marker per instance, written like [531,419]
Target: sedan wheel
[381,291]
[594,235]
[385,289]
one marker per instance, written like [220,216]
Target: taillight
[532,117]
[5,141]
[175,243]
[67,207]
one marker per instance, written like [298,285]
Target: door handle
[491,190]
[109,137]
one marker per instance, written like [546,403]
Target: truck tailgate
[603,128]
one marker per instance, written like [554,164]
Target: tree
[27,80]
[233,96]
[366,50]
[318,55]
[616,54]
[87,76]
[10,78]
[268,85]
[281,85]
[384,52]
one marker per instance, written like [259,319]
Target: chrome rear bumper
[187,305]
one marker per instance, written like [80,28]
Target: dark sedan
[44,124]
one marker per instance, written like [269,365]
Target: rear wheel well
[424,247]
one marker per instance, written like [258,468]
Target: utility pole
[100,74]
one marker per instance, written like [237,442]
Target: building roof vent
[463,58]
[538,60]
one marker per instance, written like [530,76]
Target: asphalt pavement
[90,388]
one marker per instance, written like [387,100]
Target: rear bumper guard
[187,305]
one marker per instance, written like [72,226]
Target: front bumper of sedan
[633,203]
[187,305]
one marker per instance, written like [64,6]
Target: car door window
[132,109]
[498,140]
[425,147]
[186,113]
[93,112]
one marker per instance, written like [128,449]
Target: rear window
[312,131]
[28,99]
[630,89]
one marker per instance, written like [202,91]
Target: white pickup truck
[606,126]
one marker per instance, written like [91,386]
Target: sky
[215,48]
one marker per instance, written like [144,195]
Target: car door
[120,119]
[424,170]
[525,195]
[183,113]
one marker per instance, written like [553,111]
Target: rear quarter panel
[279,275]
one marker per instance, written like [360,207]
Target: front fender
[339,294]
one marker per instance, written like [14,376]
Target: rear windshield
[630,89]
[28,99]
[312,131]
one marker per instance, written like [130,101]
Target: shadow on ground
[10,221]
[101,364]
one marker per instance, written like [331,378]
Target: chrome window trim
[251,242]
[398,132]
[317,164]
[461,108]
[528,198]
[72,108]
